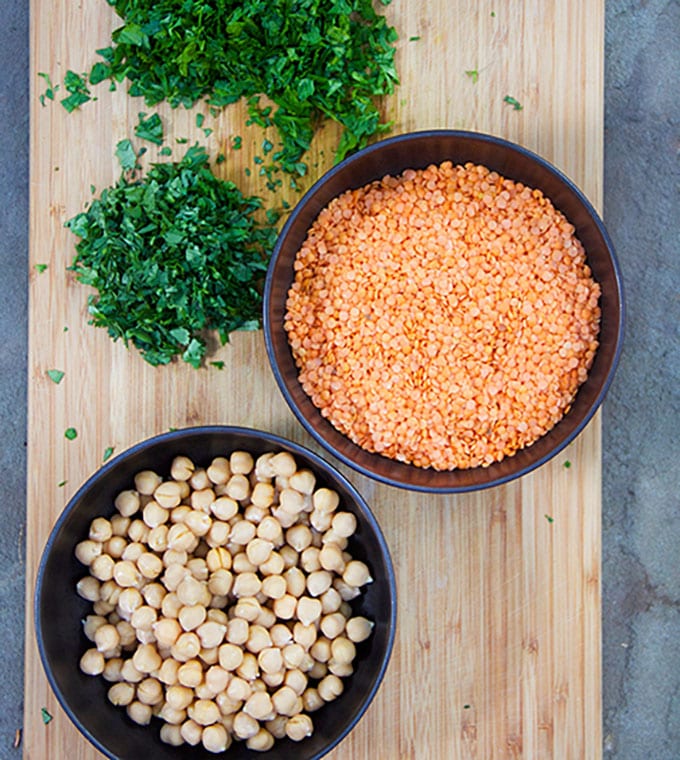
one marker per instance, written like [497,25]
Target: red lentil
[445,317]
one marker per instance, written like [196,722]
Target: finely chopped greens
[172,255]
[313,59]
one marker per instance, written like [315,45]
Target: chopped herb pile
[172,255]
[516,105]
[313,59]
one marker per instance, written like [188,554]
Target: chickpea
[121,694]
[220,582]
[289,556]
[158,538]
[168,494]
[245,726]
[92,663]
[199,479]
[215,738]
[143,618]
[270,660]
[238,487]
[191,732]
[293,655]
[299,537]
[217,678]
[241,462]
[262,495]
[133,551]
[190,674]
[246,585]
[340,669]
[115,546]
[218,535]
[166,631]
[154,515]
[171,734]
[138,531]
[211,634]
[284,607]
[139,712]
[261,742]
[356,573]
[266,617]
[127,503]
[320,521]
[182,468]
[286,519]
[308,610]
[218,558]
[113,670]
[331,558]
[343,650]
[176,557]
[88,588]
[150,691]
[171,605]
[238,689]
[150,565]
[332,625]
[303,481]
[291,501]
[106,638]
[312,700]
[347,592]
[102,566]
[330,687]
[242,532]
[248,608]
[237,631]
[283,464]
[153,594]
[126,574]
[274,586]
[201,501]
[119,525]
[299,727]
[178,514]
[224,508]
[273,566]
[230,656]
[168,672]
[102,608]
[187,646]
[91,624]
[190,617]
[180,537]
[321,649]
[190,590]
[146,482]
[286,702]
[130,673]
[209,656]
[248,669]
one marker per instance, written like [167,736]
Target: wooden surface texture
[498,646]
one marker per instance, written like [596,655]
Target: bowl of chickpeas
[216,590]
[443,311]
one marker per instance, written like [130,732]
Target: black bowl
[59,610]
[414,151]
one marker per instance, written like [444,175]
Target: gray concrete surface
[641,520]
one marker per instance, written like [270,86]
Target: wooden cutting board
[498,646]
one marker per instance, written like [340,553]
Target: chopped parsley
[71,433]
[219,365]
[473,74]
[62,483]
[549,519]
[108,453]
[173,255]
[567,464]
[40,268]
[150,128]
[127,158]
[44,714]
[55,375]
[50,89]
[79,93]
[516,105]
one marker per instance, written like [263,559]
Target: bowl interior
[59,610]
[418,150]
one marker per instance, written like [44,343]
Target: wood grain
[498,646]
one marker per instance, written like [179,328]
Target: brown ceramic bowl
[59,610]
[418,150]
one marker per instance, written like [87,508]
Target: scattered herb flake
[62,483]
[172,429]
[473,74]
[65,328]
[207,131]
[171,255]
[76,85]
[549,519]
[221,158]
[493,14]
[516,105]
[71,433]
[219,365]
[150,128]
[46,717]
[181,140]
[267,146]
[567,464]
[40,268]
[50,89]
[55,375]
[415,38]
[125,153]
[466,707]
[237,142]
[108,452]
[165,151]
[200,118]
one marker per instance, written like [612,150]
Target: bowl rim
[271,438]
[465,135]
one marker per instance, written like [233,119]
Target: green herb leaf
[71,433]
[549,519]
[77,86]
[415,38]
[200,118]
[127,158]
[473,74]
[237,142]
[108,453]
[219,365]
[150,128]
[50,88]
[516,105]
[165,151]
[46,717]
[62,483]
[40,268]
[567,464]
[55,375]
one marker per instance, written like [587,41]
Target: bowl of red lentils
[443,311]
[215,590]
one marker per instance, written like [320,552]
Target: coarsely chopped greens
[313,59]
[172,255]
